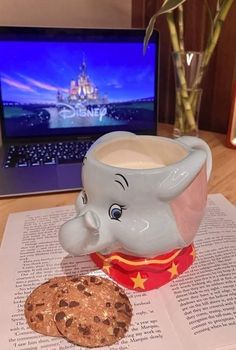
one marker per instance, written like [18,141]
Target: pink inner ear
[188,208]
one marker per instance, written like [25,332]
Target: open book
[196,311]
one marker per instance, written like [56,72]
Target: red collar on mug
[142,274]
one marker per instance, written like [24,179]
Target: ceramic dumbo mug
[142,203]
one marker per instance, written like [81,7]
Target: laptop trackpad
[17,181]
[69,176]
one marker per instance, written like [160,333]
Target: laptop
[60,89]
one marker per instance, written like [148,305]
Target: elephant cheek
[133,234]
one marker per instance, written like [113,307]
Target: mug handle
[197,143]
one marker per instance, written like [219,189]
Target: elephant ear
[176,178]
[112,136]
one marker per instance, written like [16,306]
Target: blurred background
[221,75]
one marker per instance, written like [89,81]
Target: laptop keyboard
[46,154]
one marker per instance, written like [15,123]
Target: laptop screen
[63,82]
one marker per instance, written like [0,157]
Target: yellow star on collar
[193,253]
[106,267]
[173,270]
[138,281]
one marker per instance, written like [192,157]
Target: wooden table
[223,180]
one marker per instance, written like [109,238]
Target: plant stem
[213,39]
[181,27]
[173,32]
[217,29]
[180,72]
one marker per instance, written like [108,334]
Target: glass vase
[188,92]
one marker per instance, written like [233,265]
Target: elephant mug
[142,202]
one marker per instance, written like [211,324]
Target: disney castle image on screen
[47,86]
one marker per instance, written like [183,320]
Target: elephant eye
[115,211]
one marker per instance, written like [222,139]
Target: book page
[202,302]
[31,254]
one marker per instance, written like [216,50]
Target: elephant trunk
[80,235]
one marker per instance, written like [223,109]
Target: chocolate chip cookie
[92,311]
[38,307]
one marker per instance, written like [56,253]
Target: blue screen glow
[47,87]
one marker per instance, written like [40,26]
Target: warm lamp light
[231,135]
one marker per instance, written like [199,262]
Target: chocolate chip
[69,322]
[30,307]
[96,319]
[55,285]
[116,331]
[118,305]
[106,321]
[121,324]
[117,288]
[127,308]
[103,340]
[92,279]
[39,317]
[85,282]
[63,303]
[98,283]
[74,279]
[80,287]
[122,295]
[60,316]
[124,312]
[108,304]
[84,329]
[73,303]
[40,304]
[87,294]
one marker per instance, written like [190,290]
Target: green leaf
[167,6]
[170,5]
[208,10]
[210,16]
[149,31]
